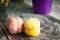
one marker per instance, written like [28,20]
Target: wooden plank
[2,35]
[16,36]
[53,19]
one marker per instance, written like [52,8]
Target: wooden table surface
[50,30]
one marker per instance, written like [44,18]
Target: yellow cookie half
[32,33]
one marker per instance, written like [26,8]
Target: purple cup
[42,6]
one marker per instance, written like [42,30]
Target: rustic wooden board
[2,35]
[49,30]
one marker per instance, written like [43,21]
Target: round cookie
[32,26]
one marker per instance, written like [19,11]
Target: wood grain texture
[2,35]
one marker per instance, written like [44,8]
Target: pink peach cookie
[12,25]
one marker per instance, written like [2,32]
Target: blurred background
[55,8]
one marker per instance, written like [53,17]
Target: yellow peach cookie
[32,24]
